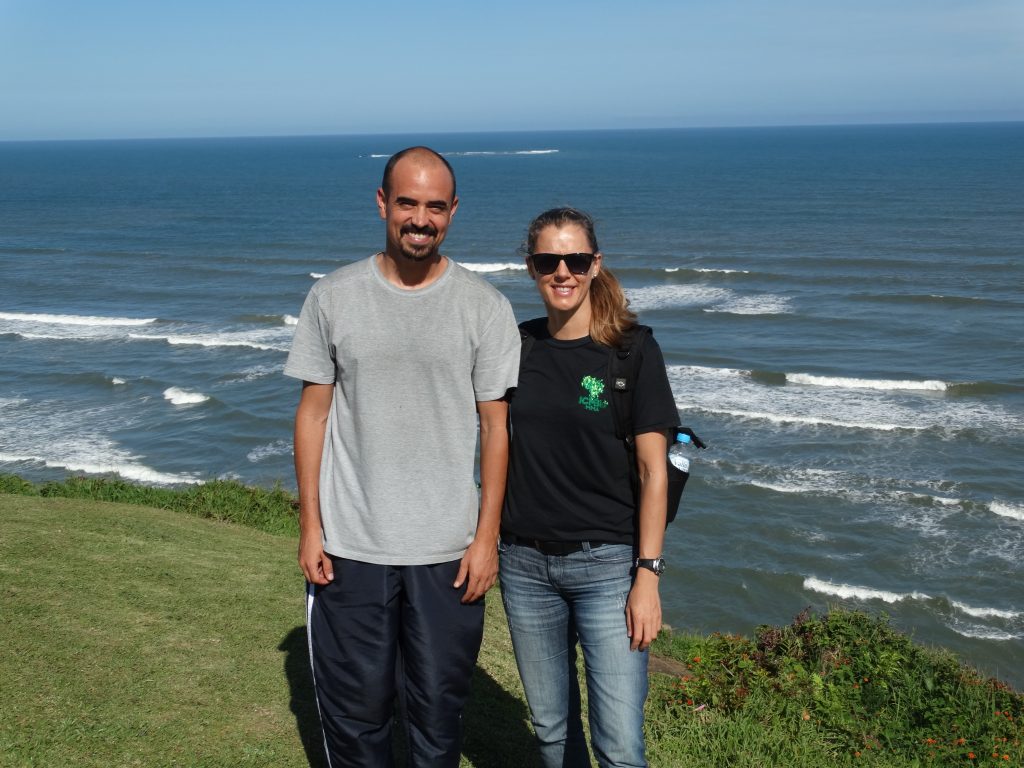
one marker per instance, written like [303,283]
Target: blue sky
[109,69]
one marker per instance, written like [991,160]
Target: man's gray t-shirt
[408,367]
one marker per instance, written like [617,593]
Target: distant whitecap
[503,266]
[252,373]
[28,317]
[754,305]
[495,152]
[276,448]
[986,613]
[852,383]
[851,591]
[653,297]
[835,402]
[983,633]
[1012,511]
[127,469]
[178,396]
[253,339]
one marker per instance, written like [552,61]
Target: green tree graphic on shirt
[592,401]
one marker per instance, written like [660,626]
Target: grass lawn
[140,637]
[137,636]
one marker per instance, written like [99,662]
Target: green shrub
[865,688]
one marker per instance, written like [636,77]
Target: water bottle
[677,453]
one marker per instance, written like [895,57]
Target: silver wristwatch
[654,564]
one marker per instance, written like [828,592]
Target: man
[398,354]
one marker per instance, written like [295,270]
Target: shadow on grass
[496,734]
[303,702]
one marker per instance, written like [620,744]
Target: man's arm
[480,563]
[643,608]
[310,428]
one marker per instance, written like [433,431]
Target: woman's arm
[643,609]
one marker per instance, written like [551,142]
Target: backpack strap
[623,369]
[529,330]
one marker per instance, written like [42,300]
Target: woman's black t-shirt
[568,473]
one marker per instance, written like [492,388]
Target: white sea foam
[982,633]
[851,383]
[76,333]
[708,297]
[946,502]
[276,448]
[854,592]
[504,266]
[986,613]
[255,372]
[317,275]
[289,320]
[487,153]
[276,338]
[128,470]
[117,380]
[669,296]
[811,421]
[261,340]
[754,305]
[1012,511]
[179,396]
[740,394]
[50,434]
[27,317]
[723,271]
[51,336]
[819,481]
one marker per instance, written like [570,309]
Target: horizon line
[314,135]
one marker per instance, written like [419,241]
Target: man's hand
[480,563]
[643,611]
[316,565]
[479,567]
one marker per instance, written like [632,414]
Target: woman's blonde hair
[610,316]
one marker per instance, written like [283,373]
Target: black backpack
[623,365]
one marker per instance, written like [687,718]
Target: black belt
[551,547]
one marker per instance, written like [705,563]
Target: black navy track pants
[378,631]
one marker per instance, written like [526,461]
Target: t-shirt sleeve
[496,368]
[311,357]
[654,405]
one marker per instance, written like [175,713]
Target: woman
[571,532]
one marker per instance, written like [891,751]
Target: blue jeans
[551,602]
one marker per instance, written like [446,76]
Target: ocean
[840,310]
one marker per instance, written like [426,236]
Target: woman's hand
[643,611]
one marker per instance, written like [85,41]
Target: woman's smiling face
[564,292]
